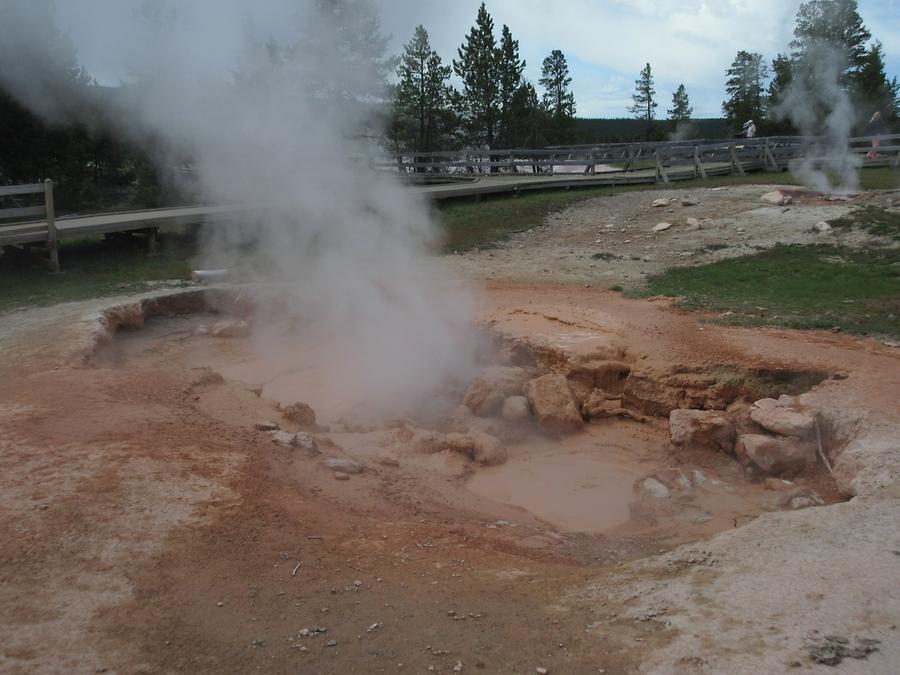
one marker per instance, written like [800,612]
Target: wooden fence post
[771,158]
[735,162]
[660,169]
[52,238]
[698,164]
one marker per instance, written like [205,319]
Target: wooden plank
[697,163]
[9,190]
[52,239]
[21,212]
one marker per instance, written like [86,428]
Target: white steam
[817,103]
[285,133]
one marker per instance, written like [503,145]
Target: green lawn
[93,268]
[857,291]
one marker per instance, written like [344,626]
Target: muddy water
[580,483]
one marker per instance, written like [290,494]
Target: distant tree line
[825,29]
[493,105]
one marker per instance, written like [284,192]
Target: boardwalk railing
[695,158]
[13,215]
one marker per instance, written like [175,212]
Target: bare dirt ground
[610,240]
[147,526]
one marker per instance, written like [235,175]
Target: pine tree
[422,94]
[555,80]
[836,23]
[558,100]
[509,70]
[872,87]
[528,118]
[744,87]
[782,74]
[681,110]
[477,67]
[644,105]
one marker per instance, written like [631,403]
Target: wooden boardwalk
[466,174]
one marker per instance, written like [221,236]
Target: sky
[606,42]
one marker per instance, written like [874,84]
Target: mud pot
[267,520]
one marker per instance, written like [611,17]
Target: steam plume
[820,107]
[286,137]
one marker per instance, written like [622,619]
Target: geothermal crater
[562,433]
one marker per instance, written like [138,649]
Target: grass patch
[873,219]
[92,268]
[795,286]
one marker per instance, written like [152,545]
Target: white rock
[661,202]
[822,227]
[515,408]
[692,222]
[781,420]
[689,201]
[660,227]
[651,487]
[777,197]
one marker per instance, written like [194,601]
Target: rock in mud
[231,328]
[775,456]
[515,409]
[340,475]
[701,429]
[485,395]
[689,201]
[344,465]
[477,446]
[606,375]
[553,404]
[661,227]
[776,197]
[300,414]
[487,450]
[650,487]
[600,404]
[300,440]
[266,426]
[773,416]
[800,498]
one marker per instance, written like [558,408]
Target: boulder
[300,414]
[515,409]
[776,197]
[661,202]
[600,404]
[487,450]
[692,222]
[344,465]
[485,395]
[701,429]
[609,376]
[689,201]
[650,487]
[773,455]
[822,227]
[661,227]
[553,404]
[772,416]
[230,328]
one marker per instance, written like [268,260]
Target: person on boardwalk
[875,128]
[749,130]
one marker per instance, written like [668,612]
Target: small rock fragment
[266,426]
[344,465]
[661,227]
